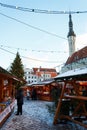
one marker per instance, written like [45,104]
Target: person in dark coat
[85,94]
[19,98]
[34,94]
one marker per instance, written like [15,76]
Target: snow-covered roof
[81,72]
[41,83]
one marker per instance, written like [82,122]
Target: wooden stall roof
[69,76]
[76,74]
[42,83]
[4,73]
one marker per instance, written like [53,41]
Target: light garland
[40,11]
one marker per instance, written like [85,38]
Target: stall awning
[4,73]
[78,74]
[42,83]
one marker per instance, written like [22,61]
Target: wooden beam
[59,105]
[76,97]
[73,120]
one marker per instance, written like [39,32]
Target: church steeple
[71,37]
[71,32]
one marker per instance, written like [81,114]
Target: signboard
[4,113]
[12,104]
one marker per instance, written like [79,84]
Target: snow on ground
[40,112]
[36,117]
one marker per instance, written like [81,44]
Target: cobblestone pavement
[36,117]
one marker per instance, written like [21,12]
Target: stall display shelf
[6,110]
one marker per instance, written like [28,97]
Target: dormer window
[76,58]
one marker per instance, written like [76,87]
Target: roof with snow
[4,73]
[41,83]
[76,74]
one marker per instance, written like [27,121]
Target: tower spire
[71,36]
[71,32]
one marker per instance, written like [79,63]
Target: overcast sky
[40,38]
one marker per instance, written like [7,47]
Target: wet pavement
[36,117]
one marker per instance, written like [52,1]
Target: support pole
[59,105]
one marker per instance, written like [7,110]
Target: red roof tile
[82,53]
[45,70]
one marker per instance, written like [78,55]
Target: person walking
[19,98]
[28,94]
[34,94]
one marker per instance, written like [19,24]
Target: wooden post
[59,105]
[2,93]
[1,90]
[10,87]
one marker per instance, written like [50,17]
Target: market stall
[43,89]
[73,82]
[7,94]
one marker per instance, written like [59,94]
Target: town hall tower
[71,37]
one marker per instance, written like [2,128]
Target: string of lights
[40,11]
[43,51]
[59,65]
[36,28]
[29,58]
